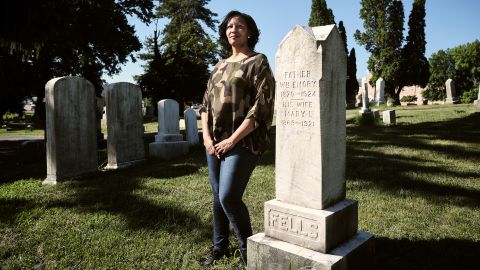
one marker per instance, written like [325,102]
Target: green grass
[417,184]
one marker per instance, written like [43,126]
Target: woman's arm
[207,140]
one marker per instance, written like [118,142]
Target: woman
[236,115]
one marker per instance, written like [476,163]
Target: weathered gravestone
[310,223]
[380,91]
[451,95]
[191,128]
[477,101]
[124,124]
[389,117]
[71,128]
[365,101]
[169,142]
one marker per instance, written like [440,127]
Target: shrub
[408,99]
[469,96]
[10,117]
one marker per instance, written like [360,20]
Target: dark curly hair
[253,31]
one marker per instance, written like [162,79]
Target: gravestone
[169,142]
[376,114]
[124,124]
[477,101]
[71,128]
[365,102]
[380,91]
[451,95]
[191,128]
[389,117]
[310,223]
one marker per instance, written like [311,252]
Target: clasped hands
[220,148]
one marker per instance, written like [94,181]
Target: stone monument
[310,223]
[380,91]
[191,127]
[477,101]
[124,124]
[389,117]
[169,142]
[365,101]
[451,96]
[71,128]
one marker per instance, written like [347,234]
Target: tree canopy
[51,38]
[320,14]
[461,64]
[398,64]
[179,57]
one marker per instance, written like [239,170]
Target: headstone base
[122,165]
[168,137]
[451,101]
[266,253]
[55,178]
[49,181]
[315,229]
[476,102]
[168,150]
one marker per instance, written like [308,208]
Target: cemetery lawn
[417,184]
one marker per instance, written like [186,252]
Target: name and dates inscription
[298,92]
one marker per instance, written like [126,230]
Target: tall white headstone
[380,90]
[191,127]
[124,124]
[70,128]
[169,142]
[310,220]
[451,95]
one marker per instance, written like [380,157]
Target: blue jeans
[229,177]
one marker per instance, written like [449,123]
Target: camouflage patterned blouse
[239,90]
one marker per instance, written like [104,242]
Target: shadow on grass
[22,160]
[121,192]
[445,254]
[392,172]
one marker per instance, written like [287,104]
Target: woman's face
[237,32]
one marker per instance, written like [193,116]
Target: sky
[449,23]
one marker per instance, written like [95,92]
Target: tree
[343,34]
[320,14]
[352,83]
[179,69]
[58,38]
[415,65]
[442,67]
[351,86]
[383,37]
[461,63]
[467,63]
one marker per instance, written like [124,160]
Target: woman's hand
[210,148]
[224,146]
